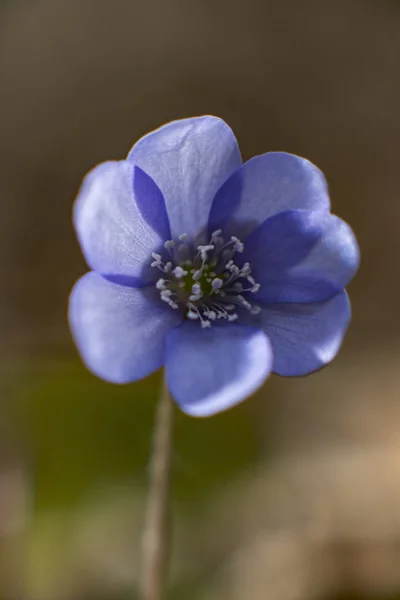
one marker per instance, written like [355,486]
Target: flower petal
[120,219]
[264,186]
[305,337]
[210,370]
[301,256]
[189,160]
[120,331]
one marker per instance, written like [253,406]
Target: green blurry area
[86,446]
[89,444]
[83,432]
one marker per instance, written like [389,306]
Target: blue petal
[189,160]
[120,331]
[301,256]
[264,186]
[120,219]
[210,370]
[305,337]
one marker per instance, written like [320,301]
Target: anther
[179,272]
[197,274]
[192,315]
[211,314]
[204,249]
[213,266]
[196,288]
[217,283]
[160,285]
[237,244]
[216,234]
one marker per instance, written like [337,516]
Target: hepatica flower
[219,270]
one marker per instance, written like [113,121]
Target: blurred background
[293,495]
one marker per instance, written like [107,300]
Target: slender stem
[156,526]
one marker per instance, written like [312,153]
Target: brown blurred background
[293,495]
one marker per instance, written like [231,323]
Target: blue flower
[221,271]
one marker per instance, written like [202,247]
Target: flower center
[206,282]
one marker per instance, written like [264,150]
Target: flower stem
[156,527]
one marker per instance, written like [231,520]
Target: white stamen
[192,315]
[166,297]
[229,307]
[237,244]
[213,264]
[196,288]
[216,234]
[243,302]
[217,283]
[179,272]
[246,270]
[160,285]
[204,249]
[197,274]
[211,314]
[197,293]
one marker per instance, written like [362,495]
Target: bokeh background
[296,493]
